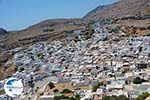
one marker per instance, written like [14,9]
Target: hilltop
[46,30]
[119,9]
[131,15]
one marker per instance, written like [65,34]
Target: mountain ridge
[120,9]
[52,29]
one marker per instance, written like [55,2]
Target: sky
[19,14]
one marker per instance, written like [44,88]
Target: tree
[106,98]
[94,89]
[60,97]
[66,91]
[77,97]
[121,97]
[31,84]
[55,90]
[138,80]
[21,69]
[143,96]
[2,92]
[51,85]
[72,98]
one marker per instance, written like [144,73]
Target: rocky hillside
[59,28]
[119,9]
[43,31]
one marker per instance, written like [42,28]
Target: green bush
[121,97]
[77,97]
[143,96]
[94,89]
[66,91]
[72,98]
[61,97]
[55,90]
[21,69]
[2,92]
[51,85]
[138,80]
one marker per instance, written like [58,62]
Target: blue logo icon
[13,87]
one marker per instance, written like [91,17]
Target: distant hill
[46,30]
[53,29]
[2,32]
[121,8]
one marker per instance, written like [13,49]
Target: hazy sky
[19,14]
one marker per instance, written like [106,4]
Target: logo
[13,87]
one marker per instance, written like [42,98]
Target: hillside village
[106,64]
[103,56]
